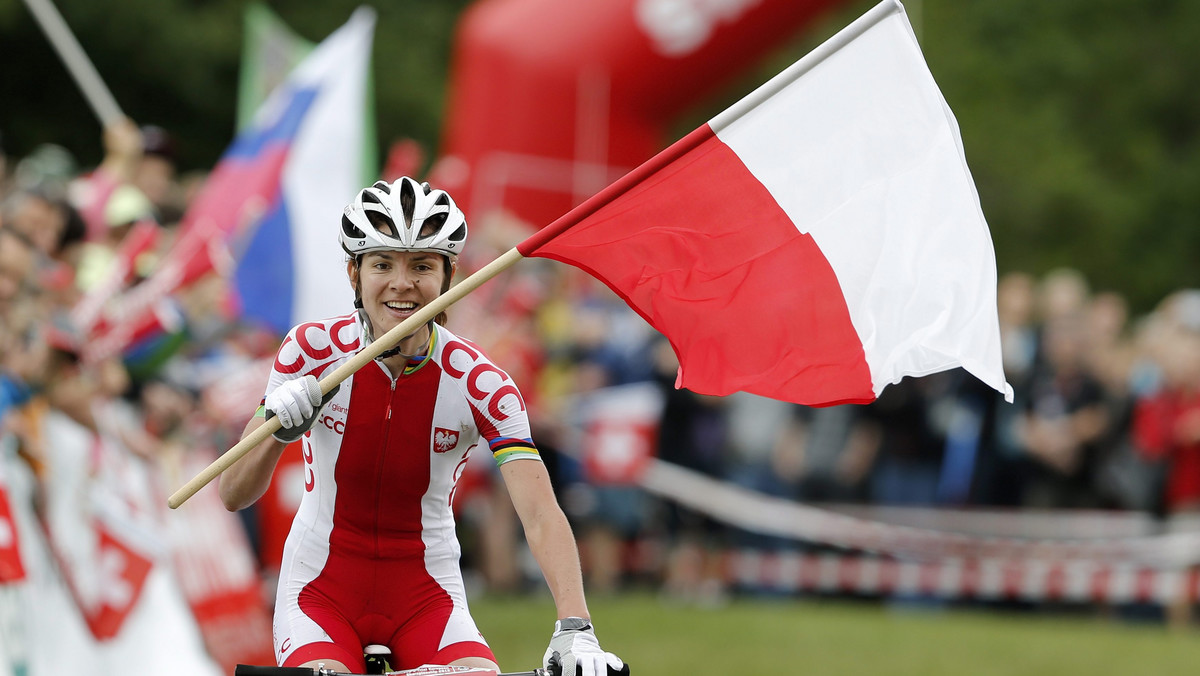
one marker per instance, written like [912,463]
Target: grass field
[761,638]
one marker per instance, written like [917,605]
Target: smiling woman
[391,286]
[382,465]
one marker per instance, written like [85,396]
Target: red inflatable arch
[552,100]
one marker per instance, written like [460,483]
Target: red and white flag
[817,241]
[12,569]
[120,577]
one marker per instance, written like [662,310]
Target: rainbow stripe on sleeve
[507,449]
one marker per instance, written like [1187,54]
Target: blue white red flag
[273,200]
[303,158]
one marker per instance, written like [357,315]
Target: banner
[212,558]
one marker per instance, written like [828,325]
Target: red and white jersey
[382,461]
[372,556]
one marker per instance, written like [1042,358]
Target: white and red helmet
[417,218]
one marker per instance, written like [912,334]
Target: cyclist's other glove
[574,648]
[297,402]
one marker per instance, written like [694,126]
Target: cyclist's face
[395,284]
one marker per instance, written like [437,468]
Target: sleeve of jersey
[283,370]
[504,425]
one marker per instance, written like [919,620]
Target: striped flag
[317,124]
[270,50]
[267,215]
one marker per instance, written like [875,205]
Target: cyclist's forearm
[548,534]
[247,479]
[553,546]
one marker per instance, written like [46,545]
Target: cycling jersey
[372,555]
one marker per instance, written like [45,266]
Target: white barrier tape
[767,515]
[1076,524]
[1077,581]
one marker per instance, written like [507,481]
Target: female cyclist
[372,557]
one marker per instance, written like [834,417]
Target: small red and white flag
[11,567]
[121,572]
[817,241]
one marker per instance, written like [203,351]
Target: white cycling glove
[573,646]
[297,403]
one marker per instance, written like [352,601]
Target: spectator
[1018,337]
[1167,422]
[909,440]
[40,218]
[154,173]
[17,263]
[1064,418]
[90,193]
[693,433]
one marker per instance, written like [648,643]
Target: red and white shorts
[415,606]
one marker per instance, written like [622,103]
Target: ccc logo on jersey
[313,343]
[500,400]
[338,426]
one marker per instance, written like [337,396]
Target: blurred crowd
[1106,416]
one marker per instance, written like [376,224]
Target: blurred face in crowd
[1062,293]
[40,221]
[165,407]
[1015,294]
[16,266]
[1106,317]
[1181,359]
[155,174]
[1065,341]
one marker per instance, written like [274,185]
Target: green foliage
[1079,117]
[175,63]
[1080,122]
[769,638]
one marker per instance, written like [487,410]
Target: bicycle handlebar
[251,670]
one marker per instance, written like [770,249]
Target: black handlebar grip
[555,669]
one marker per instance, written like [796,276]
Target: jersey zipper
[387,429]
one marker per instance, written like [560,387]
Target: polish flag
[817,241]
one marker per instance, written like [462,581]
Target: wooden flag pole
[354,363]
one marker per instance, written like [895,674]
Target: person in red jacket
[1166,424]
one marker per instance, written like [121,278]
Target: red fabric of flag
[699,248]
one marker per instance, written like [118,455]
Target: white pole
[94,89]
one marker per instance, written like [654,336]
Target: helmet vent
[351,230]
[381,223]
[432,225]
[408,200]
